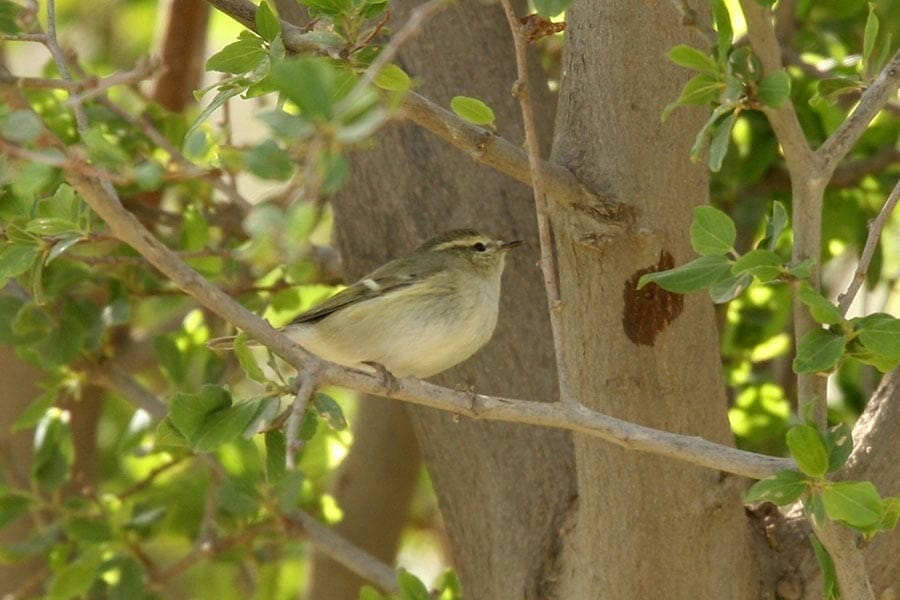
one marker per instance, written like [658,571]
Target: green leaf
[826,566]
[712,231]
[308,83]
[707,130]
[411,588]
[149,175]
[695,275]
[890,513]
[35,411]
[269,161]
[247,360]
[729,288]
[105,149]
[76,578]
[718,147]
[53,449]
[12,506]
[763,264]
[808,449]
[856,503]
[15,259]
[9,11]
[238,57]
[833,88]
[839,441]
[775,88]
[21,126]
[472,110]
[328,7]
[551,8]
[276,446]
[818,351]
[775,225]
[870,35]
[802,269]
[331,411]
[89,530]
[782,488]
[857,350]
[195,144]
[267,24]
[393,79]
[367,592]
[188,412]
[691,58]
[880,333]
[814,508]
[821,309]
[724,32]
[698,91]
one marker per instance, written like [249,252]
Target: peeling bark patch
[650,309]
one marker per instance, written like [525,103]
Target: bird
[416,315]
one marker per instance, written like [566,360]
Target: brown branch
[181,52]
[549,268]
[91,88]
[873,100]
[875,228]
[485,147]
[309,378]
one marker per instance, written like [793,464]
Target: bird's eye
[479,247]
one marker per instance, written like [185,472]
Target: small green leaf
[691,58]
[782,488]
[267,24]
[195,141]
[698,91]
[695,275]
[856,503]
[331,411]
[75,579]
[808,449]
[9,12]
[188,412]
[15,259]
[712,231]
[21,126]
[724,31]
[857,350]
[833,88]
[472,110]
[870,35]
[826,566]
[238,57]
[367,592]
[328,7]
[729,288]
[223,426]
[54,452]
[247,360]
[802,269]
[12,506]
[890,513]
[814,507]
[411,588]
[550,8]
[268,161]
[775,225]
[763,264]
[880,333]
[393,79]
[839,441]
[821,309]
[149,175]
[718,147]
[819,351]
[308,83]
[775,88]
[276,446]
[89,530]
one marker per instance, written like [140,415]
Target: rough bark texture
[374,486]
[504,490]
[646,526]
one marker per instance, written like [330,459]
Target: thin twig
[690,18]
[52,44]
[345,552]
[873,100]
[309,382]
[109,376]
[875,228]
[93,88]
[549,268]
[40,38]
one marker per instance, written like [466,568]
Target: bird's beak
[504,246]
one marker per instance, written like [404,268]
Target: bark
[504,490]
[374,486]
[181,51]
[645,524]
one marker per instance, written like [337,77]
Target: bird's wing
[394,275]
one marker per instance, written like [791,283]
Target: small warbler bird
[417,315]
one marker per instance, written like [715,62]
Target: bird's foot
[388,380]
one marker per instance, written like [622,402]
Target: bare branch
[849,565]
[343,551]
[549,268]
[92,88]
[875,227]
[690,18]
[52,44]
[109,376]
[310,381]
[873,100]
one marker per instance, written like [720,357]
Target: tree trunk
[504,490]
[646,525]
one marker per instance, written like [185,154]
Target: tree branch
[849,565]
[479,143]
[875,227]
[873,100]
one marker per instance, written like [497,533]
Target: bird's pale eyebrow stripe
[459,243]
[371,284]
